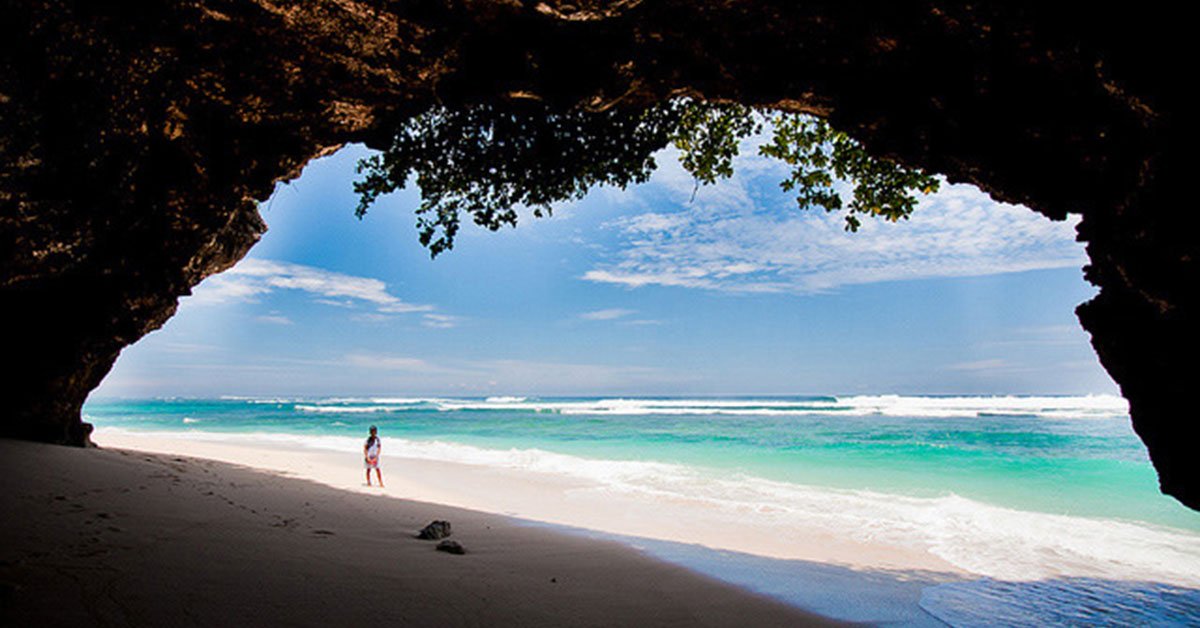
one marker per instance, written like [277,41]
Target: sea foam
[343,409]
[1043,407]
[980,538]
[1049,407]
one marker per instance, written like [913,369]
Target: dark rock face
[451,547]
[434,531]
[134,144]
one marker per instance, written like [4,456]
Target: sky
[660,289]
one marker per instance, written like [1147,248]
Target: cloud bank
[251,279]
[744,235]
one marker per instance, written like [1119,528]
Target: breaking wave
[983,539]
[1044,407]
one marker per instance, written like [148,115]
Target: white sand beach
[544,495]
[136,534]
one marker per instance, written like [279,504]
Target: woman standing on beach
[371,456]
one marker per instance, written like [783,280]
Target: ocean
[1050,502]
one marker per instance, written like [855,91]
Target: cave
[136,142]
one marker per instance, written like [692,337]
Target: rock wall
[135,142]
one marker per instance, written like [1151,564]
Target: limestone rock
[451,547]
[434,531]
[135,145]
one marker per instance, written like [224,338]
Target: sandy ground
[117,537]
[549,496]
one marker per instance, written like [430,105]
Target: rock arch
[135,143]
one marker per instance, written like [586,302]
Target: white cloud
[335,302]
[605,315]
[440,321]
[371,317]
[252,278]
[274,319]
[744,235]
[220,289]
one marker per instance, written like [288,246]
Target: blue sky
[646,291]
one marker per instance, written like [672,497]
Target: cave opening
[954,326]
[133,181]
[136,148]
[614,295]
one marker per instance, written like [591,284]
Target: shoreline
[523,510]
[549,498]
[125,536]
[805,569]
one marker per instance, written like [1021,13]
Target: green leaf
[487,160]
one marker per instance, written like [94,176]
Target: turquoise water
[1070,456]
[1050,503]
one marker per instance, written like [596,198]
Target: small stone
[434,531]
[452,547]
